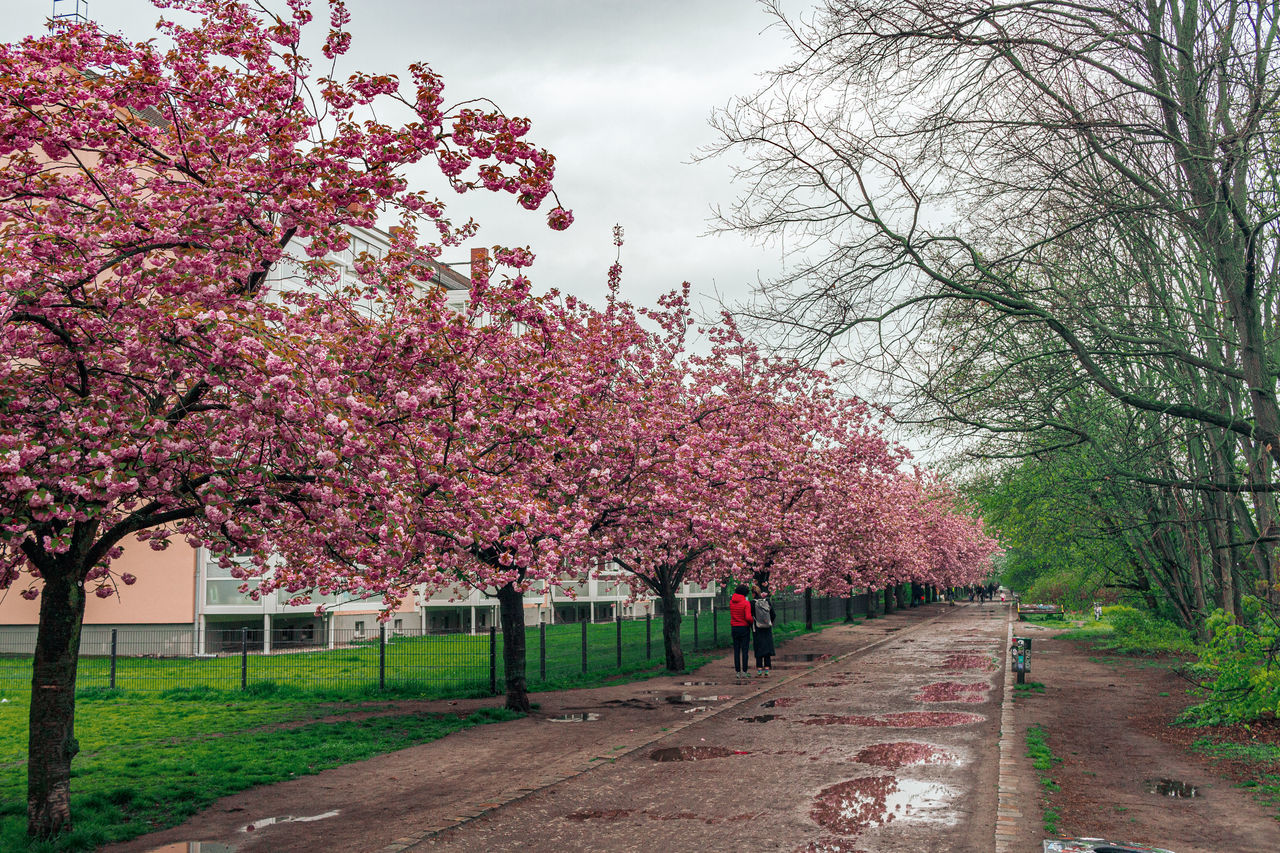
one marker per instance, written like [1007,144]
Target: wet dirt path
[888,749]
[816,757]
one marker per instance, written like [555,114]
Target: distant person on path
[762,611]
[740,622]
[1097,611]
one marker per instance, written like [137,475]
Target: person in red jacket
[740,623]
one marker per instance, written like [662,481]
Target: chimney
[479,265]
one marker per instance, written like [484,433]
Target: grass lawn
[146,764]
[168,742]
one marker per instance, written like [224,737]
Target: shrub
[1139,632]
[1238,669]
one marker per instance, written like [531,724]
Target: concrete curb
[1008,794]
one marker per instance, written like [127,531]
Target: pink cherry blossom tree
[155,381]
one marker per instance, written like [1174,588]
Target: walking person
[740,622]
[762,611]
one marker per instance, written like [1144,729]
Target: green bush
[1238,669]
[1139,632]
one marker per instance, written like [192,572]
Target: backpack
[763,611]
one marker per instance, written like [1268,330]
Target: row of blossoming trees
[361,437]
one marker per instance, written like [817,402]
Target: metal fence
[150,661]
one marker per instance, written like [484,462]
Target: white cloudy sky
[620,91]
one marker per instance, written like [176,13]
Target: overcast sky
[620,91]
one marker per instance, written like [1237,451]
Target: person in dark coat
[740,622]
[762,613]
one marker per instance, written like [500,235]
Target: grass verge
[1043,759]
[145,765]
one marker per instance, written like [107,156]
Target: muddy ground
[1126,766]
[876,737]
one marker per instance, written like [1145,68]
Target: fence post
[493,659]
[244,658]
[382,656]
[584,647]
[648,636]
[542,650]
[695,630]
[619,621]
[113,658]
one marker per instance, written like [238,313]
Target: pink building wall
[164,594]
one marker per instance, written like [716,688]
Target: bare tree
[1087,192]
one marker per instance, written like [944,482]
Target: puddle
[952,691]
[584,717]
[719,698]
[828,684]
[194,847]
[269,821]
[693,753]
[902,753]
[695,710]
[760,718]
[781,702]
[1171,788]
[680,699]
[858,804]
[699,683]
[906,720]
[597,814]
[805,658]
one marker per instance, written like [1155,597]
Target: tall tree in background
[1030,198]
[154,382]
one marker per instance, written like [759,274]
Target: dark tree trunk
[511,608]
[51,741]
[848,607]
[873,599]
[889,600]
[671,628]
[808,610]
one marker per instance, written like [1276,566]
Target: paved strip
[773,790]
[648,739]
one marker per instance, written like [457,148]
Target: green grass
[147,764]
[1043,759]
[1264,759]
[1029,687]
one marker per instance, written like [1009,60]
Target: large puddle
[851,807]
[584,717]
[906,720]
[903,753]
[760,718]
[952,691]
[693,753]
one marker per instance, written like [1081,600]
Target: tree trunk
[511,608]
[808,610]
[848,606]
[671,628]
[889,600]
[51,741]
[872,600]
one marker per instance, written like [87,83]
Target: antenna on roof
[69,12]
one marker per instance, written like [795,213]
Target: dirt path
[826,767]
[1108,719]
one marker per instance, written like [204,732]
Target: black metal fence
[160,662]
